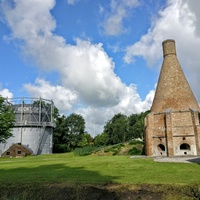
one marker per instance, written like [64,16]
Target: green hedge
[87,150]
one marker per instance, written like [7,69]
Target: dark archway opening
[184,146]
[161,147]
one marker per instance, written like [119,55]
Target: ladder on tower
[42,134]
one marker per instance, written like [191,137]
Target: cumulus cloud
[6,93]
[84,67]
[178,20]
[113,24]
[27,18]
[90,72]
[130,103]
[64,99]
[86,71]
[194,7]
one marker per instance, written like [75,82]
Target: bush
[87,150]
[134,151]
[114,149]
[133,142]
[60,148]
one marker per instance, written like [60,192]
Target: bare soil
[62,191]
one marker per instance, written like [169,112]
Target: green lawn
[67,168]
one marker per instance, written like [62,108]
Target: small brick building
[172,127]
[16,150]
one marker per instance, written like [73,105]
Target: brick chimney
[172,128]
[173,91]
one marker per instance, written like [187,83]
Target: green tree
[76,129]
[101,139]
[117,128]
[89,138]
[133,123]
[122,128]
[59,135]
[83,142]
[69,133]
[136,125]
[7,119]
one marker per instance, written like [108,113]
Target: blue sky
[94,57]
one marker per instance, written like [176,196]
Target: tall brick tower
[172,127]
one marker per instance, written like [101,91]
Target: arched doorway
[184,146]
[161,149]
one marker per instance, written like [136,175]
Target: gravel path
[192,159]
[182,159]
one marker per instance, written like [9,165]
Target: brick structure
[16,150]
[172,127]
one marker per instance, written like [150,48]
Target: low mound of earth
[134,147]
[62,191]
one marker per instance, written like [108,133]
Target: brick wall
[172,127]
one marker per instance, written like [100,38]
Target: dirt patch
[76,192]
[62,191]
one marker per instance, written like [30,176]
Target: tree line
[70,132]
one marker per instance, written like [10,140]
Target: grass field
[67,168]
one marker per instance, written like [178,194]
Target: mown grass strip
[68,168]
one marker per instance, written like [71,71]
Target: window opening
[7,153]
[19,152]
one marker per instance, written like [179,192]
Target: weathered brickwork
[172,127]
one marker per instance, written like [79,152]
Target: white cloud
[130,103]
[84,67]
[95,117]
[194,7]
[90,71]
[86,71]
[72,2]
[6,93]
[179,21]
[27,18]
[101,9]
[176,21]
[63,98]
[113,24]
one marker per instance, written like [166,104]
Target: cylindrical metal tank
[34,125]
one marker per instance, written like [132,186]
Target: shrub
[60,148]
[115,149]
[134,142]
[134,151]
[87,150]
